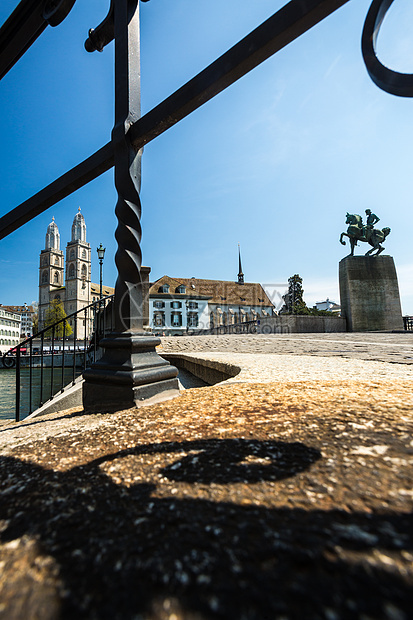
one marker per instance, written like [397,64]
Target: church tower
[78,275]
[50,271]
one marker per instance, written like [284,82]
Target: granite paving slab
[278,500]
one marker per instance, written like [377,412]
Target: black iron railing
[127,361]
[408,323]
[49,361]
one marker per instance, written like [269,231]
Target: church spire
[240,274]
[52,236]
[79,227]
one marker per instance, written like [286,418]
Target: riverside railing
[50,362]
[408,323]
[131,364]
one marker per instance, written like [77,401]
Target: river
[8,389]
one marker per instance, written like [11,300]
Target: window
[192,305]
[159,304]
[192,319]
[44,277]
[181,289]
[176,304]
[72,255]
[56,260]
[56,277]
[176,319]
[159,319]
[83,253]
[164,288]
[44,261]
[84,270]
[71,271]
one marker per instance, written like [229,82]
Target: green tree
[35,321]
[54,313]
[293,299]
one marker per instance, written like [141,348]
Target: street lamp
[101,255]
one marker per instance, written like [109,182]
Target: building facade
[178,305]
[330,306]
[9,329]
[26,313]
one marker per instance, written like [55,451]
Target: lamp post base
[129,374]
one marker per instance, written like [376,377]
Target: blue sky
[273,163]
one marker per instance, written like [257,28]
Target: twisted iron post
[130,371]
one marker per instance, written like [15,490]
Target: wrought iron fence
[46,363]
[408,323]
[143,375]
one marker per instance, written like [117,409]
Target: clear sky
[274,162]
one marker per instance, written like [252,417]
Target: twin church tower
[72,288]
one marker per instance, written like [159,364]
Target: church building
[73,286]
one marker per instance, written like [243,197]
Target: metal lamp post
[101,255]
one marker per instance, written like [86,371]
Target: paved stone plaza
[283,493]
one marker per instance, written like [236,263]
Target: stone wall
[297,324]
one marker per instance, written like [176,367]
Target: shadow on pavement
[91,548]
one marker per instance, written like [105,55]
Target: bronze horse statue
[358,232]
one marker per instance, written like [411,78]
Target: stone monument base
[369,293]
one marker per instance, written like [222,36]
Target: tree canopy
[293,299]
[54,313]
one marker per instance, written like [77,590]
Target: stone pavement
[280,499]
[382,347]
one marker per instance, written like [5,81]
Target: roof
[222,292]
[19,309]
[106,290]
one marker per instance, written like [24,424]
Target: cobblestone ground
[381,347]
[285,500]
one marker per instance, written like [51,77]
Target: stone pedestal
[369,293]
[129,374]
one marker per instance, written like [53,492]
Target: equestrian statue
[357,231]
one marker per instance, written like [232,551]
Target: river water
[8,389]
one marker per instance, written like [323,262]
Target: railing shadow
[115,550]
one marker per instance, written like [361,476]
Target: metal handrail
[408,323]
[102,325]
[286,25]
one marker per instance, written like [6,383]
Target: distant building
[27,313]
[181,304]
[95,291]
[328,305]
[9,329]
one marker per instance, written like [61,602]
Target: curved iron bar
[286,25]
[400,84]
[55,11]
[103,34]
[27,22]
[15,361]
